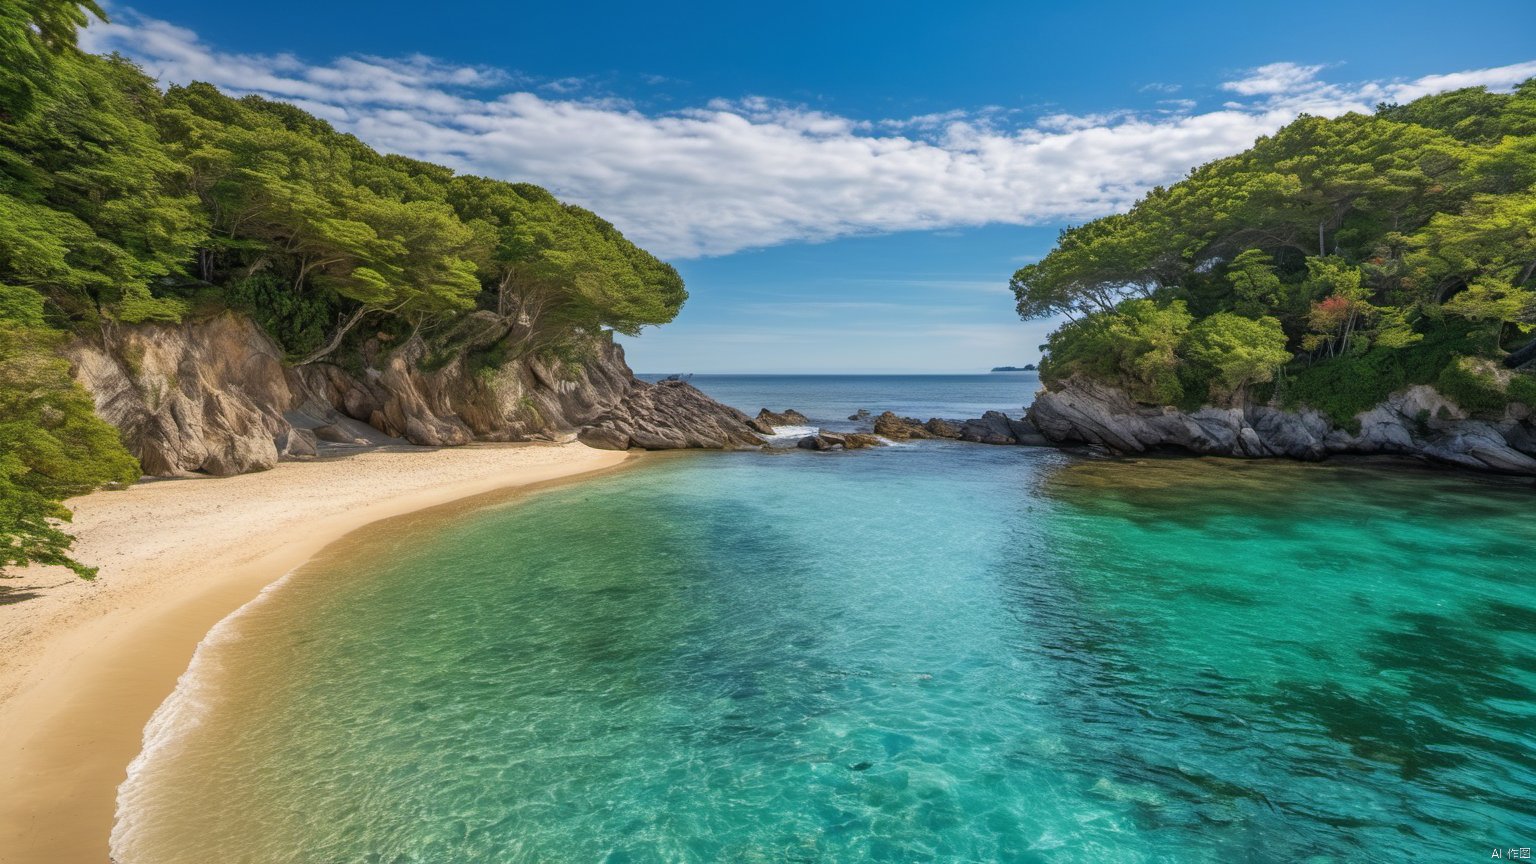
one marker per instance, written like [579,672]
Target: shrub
[1235,352]
[1472,386]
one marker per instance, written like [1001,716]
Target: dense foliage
[1339,259]
[120,204]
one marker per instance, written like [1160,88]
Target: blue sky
[845,186]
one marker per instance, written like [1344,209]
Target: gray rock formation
[214,396]
[993,427]
[1415,422]
[669,415]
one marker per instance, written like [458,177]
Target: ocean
[928,652]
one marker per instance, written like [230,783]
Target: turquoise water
[936,652]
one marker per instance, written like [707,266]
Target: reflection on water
[934,652]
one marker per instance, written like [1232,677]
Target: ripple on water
[932,652]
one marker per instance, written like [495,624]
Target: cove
[923,652]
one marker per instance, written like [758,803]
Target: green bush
[1475,389]
[1134,347]
[1522,388]
[1345,386]
[298,322]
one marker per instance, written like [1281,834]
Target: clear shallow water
[934,652]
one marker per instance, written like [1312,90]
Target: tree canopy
[1391,244]
[121,203]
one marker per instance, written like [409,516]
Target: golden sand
[83,665]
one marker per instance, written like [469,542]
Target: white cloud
[753,172]
[1274,79]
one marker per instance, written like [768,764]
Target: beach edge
[77,698]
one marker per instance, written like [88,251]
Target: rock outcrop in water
[1416,422]
[214,396]
[826,439]
[993,427]
[669,415]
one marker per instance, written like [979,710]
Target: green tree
[32,34]
[1236,351]
[1253,280]
[1133,346]
[52,445]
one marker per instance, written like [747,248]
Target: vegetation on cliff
[1332,263]
[121,204]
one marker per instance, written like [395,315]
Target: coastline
[84,665]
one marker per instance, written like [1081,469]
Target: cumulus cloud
[1275,78]
[753,172]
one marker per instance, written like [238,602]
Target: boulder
[297,443]
[603,438]
[900,428]
[1025,433]
[817,442]
[991,428]
[334,434]
[671,415]
[788,417]
[942,428]
[860,440]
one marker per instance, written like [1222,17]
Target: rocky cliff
[214,396]
[1416,422]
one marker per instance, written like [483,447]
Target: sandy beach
[83,665]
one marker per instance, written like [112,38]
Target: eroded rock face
[403,394]
[1415,422]
[215,396]
[199,397]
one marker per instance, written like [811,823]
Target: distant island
[1027,367]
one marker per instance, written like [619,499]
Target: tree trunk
[341,334]
[1522,356]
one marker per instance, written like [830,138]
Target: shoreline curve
[84,666]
